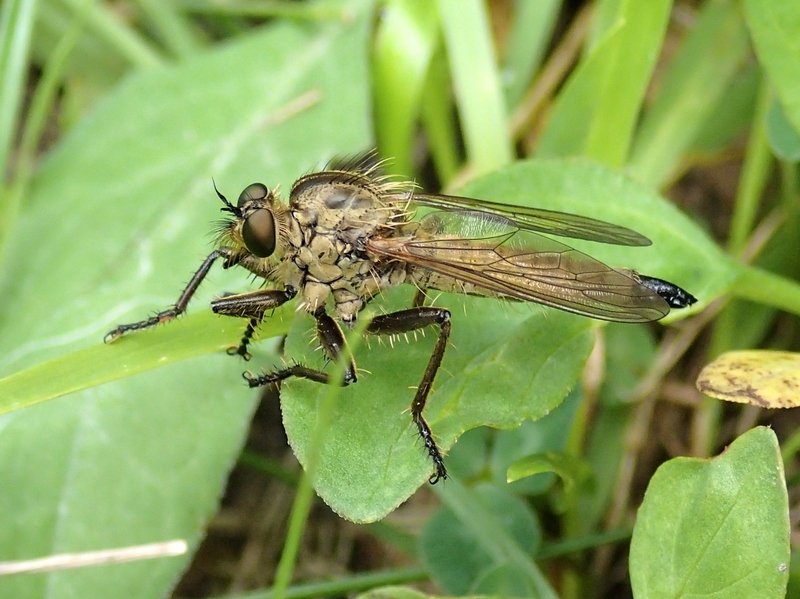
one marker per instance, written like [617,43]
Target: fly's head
[258,225]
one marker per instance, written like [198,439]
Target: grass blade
[477,84]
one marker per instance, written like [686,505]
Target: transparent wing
[522,265]
[535,219]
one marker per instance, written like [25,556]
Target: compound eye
[256,191]
[258,233]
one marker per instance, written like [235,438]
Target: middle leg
[406,321]
[333,343]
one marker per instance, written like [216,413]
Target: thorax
[328,224]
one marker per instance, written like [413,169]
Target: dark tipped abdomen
[674,295]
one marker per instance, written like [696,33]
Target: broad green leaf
[467,459]
[486,527]
[503,581]
[775,27]
[715,527]
[596,112]
[118,219]
[455,558]
[124,464]
[506,362]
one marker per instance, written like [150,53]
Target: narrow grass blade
[700,72]
[596,113]
[477,84]
[404,44]
[16,25]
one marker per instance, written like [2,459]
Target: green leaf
[408,593]
[571,469]
[456,559]
[503,581]
[467,458]
[486,528]
[117,221]
[544,435]
[438,119]
[774,26]
[196,335]
[124,464]
[715,527]
[596,112]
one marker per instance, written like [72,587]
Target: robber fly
[348,233]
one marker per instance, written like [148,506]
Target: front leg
[251,305]
[332,340]
[405,321]
[179,307]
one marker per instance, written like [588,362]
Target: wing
[522,265]
[536,219]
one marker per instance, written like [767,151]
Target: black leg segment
[176,310]
[406,321]
[253,306]
[247,337]
[275,376]
[332,340]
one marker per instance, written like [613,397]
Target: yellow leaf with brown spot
[767,379]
